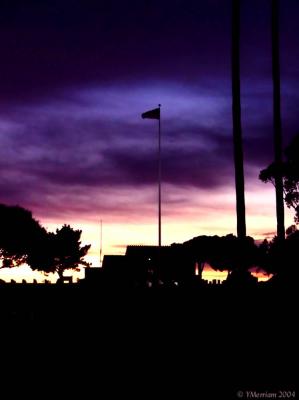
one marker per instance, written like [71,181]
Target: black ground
[213,343]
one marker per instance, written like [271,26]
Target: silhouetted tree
[223,253]
[233,253]
[201,249]
[262,255]
[280,258]
[289,170]
[59,251]
[19,235]
[24,240]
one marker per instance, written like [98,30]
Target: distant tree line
[24,241]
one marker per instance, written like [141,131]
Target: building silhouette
[145,266]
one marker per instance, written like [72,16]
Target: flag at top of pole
[152,114]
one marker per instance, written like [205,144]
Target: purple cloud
[74,82]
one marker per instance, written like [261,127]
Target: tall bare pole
[156,114]
[159,180]
[237,127]
[277,120]
[101,242]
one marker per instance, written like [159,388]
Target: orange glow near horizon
[209,275]
[24,272]
[201,213]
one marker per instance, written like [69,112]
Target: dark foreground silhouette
[186,343]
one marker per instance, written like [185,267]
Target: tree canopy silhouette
[20,234]
[279,258]
[59,251]
[24,240]
[290,173]
[200,249]
[223,253]
[234,253]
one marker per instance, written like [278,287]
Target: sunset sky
[75,77]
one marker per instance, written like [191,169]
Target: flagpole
[159,180]
[156,114]
[101,243]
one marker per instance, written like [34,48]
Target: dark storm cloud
[46,45]
[50,44]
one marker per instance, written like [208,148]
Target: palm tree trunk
[277,121]
[237,127]
[201,266]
